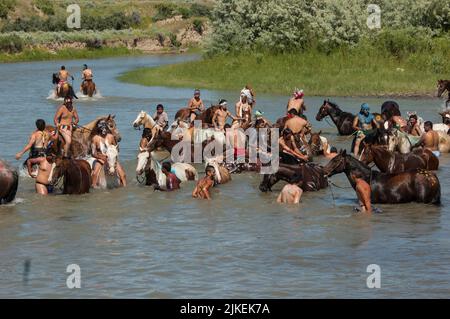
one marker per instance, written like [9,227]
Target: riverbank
[342,73]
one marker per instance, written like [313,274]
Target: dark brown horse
[390,109]
[310,177]
[395,162]
[88,87]
[442,86]
[76,175]
[9,181]
[206,116]
[418,186]
[65,90]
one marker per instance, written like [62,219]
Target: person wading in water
[172,181]
[201,191]
[65,118]
[430,139]
[363,123]
[37,143]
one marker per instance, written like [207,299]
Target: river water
[134,242]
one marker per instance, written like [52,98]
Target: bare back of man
[296,124]
[430,140]
[290,194]
[201,191]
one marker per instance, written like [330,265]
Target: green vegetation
[44,55]
[5,7]
[362,70]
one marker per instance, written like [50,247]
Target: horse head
[139,121]
[142,162]
[112,153]
[337,164]
[59,169]
[324,110]
[315,143]
[113,127]
[442,85]
[268,181]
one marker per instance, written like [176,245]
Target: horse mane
[334,105]
[357,162]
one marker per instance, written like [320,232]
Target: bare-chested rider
[65,118]
[37,144]
[63,76]
[244,109]
[99,146]
[297,102]
[364,122]
[290,194]
[196,105]
[86,75]
[289,152]
[201,191]
[220,116]
[429,139]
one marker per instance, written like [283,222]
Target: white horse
[222,175]
[403,142]
[108,176]
[183,171]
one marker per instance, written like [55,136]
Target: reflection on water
[135,242]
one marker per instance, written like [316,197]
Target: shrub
[45,6]
[164,11]
[5,7]
[11,44]
[174,41]
[198,26]
[199,10]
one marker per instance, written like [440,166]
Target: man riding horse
[363,123]
[87,85]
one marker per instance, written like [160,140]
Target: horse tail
[436,200]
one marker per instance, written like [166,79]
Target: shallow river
[134,242]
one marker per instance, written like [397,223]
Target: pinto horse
[76,175]
[9,181]
[395,162]
[205,117]
[416,186]
[442,86]
[309,177]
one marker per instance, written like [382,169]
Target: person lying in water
[363,191]
[290,194]
[201,191]
[430,139]
[172,181]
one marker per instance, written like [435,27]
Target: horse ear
[344,152]
[113,117]
[109,116]
[320,132]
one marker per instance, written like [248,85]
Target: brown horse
[394,163]
[315,144]
[65,90]
[206,116]
[9,181]
[88,88]
[76,175]
[419,186]
[309,177]
[442,86]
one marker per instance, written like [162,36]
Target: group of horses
[88,88]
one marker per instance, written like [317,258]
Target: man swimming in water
[65,118]
[196,105]
[172,181]
[430,139]
[290,194]
[364,122]
[37,143]
[201,191]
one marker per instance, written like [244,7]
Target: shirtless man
[37,144]
[161,118]
[289,151]
[145,139]
[65,118]
[99,145]
[413,127]
[196,105]
[363,191]
[297,102]
[86,75]
[260,120]
[172,181]
[45,163]
[63,75]
[201,191]
[244,109]
[290,194]
[364,121]
[296,124]
[430,139]
[220,116]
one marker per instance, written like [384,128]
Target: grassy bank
[44,55]
[344,72]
